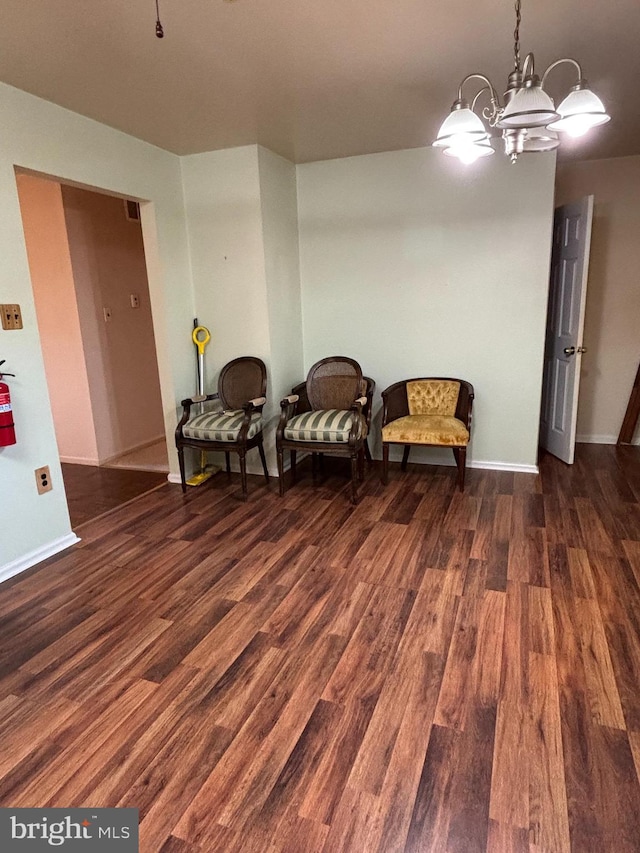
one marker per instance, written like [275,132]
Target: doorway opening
[88,272]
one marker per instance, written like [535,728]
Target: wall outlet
[11,316]
[135,300]
[43,479]
[107,314]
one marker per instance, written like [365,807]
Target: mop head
[199,479]
[203,475]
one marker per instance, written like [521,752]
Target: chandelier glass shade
[469,153]
[527,117]
[579,112]
[460,126]
[530,106]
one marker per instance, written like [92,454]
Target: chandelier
[529,120]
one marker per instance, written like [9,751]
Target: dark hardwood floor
[428,671]
[92,491]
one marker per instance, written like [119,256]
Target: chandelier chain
[159,29]
[516,36]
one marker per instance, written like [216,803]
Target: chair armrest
[356,408]
[256,404]
[186,408]
[289,401]
[288,406]
[199,398]
[394,402]
[370,387]
[465,404]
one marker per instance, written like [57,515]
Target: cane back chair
[330,413]
[237,427]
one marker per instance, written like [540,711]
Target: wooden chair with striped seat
[237,427]
[329,413]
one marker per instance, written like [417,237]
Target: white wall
[224,221]
[613,292]
[42,137]
[241,208]
[416,266]
[56,306]
[279,203]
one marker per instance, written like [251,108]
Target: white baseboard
[80,460]
[517,467]
[273,471]
[91,460]
[489,465]
[37,556]
[601,439]
[596,439]
[131,449]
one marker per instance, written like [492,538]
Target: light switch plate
[11,317]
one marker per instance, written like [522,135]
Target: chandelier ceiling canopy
[528,118]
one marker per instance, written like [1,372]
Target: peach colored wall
[613,293]
[55,301]
[107,255]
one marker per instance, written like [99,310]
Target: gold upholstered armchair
[432,412]
[329,413]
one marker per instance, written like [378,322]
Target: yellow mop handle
[201,342]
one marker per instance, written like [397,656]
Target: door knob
[581,349]
[569,350]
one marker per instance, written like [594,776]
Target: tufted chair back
[433,397]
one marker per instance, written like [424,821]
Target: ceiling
[310,80]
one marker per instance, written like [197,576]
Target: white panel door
[565,323]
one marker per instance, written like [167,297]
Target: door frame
[589,199]
[159,315]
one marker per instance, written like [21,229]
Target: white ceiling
[310,79]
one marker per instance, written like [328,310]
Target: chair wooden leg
[321,463]
[183,478]
[460,454]
[264,461]
[385,463]
[279,454]
[367,452]
[293,465]
[227,456]
[314,466]
[405,457]
[361,465]
[354,478]
[243,474]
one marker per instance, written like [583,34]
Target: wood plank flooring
[429,671]
[92,491]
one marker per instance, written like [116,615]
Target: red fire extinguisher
[7,430]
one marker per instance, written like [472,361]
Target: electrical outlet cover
[43,479]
